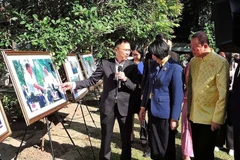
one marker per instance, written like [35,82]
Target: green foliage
[5,38]
[10,105]
[19,70]
[2,68]
[9,100]
[210,31]
[89,26]
[71,26]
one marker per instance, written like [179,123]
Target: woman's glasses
[135,54]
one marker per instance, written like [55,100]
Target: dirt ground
[63,148]
[62,145]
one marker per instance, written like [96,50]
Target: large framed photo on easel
[5,130]
[88,64]
[74,73]
[36,83]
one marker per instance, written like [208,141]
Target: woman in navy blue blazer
[164,92]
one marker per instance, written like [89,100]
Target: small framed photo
[74,73]
[5,130]
[36,83]
[88,64]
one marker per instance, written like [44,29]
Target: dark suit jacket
[106,70]
[234,97]
[167,90]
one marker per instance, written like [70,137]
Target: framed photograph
[5,130]
[88,64]
[36,83]
[74,73]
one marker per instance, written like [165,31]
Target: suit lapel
[163,70]
[126,63]
[112,66]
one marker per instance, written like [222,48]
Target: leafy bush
[89,26]
[75,26]
[11,106]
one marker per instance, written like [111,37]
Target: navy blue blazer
[167,88]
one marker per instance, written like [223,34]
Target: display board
[88,64]
[74,73]
[36,83]
[5,130]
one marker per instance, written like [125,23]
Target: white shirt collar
[118,64]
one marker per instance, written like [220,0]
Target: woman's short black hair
[139,49]
[159,48]
[228,56]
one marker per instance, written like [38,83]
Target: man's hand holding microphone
[120,76]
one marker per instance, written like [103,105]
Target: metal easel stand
[48,130]
[49,135]
[19,148]
[80,105]
[50,139]
[61,120]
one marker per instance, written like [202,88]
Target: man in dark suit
[235,112]
[120,78]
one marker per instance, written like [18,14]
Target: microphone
[120,69]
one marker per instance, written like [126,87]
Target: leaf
[46,19]
[34,42]
[14,18]
[23,22]
[35,16]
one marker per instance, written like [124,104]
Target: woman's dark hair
[228,56]
[139,49]
[161,36]
[159,48]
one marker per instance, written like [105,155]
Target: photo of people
[37,83]
[88,64]
[0,124]
[74,73]
[5,130]
[3,127]
[74,66]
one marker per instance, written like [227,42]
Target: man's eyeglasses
[126,50]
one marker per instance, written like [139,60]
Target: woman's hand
[215,126]
[142,113]
[173,124]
